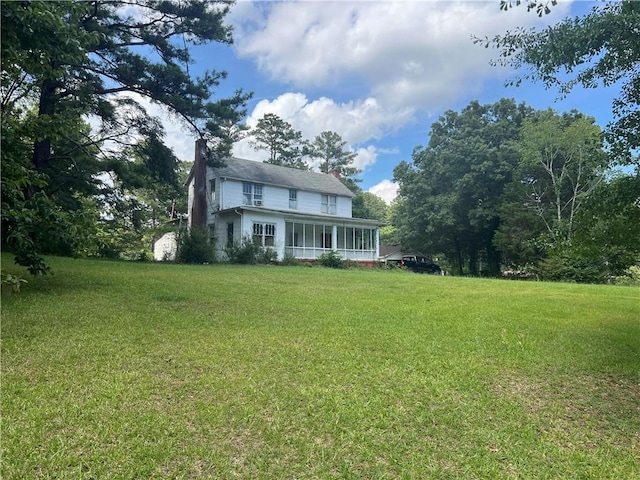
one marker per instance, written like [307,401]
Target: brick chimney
[335,173]
[199,206]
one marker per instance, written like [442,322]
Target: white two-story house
[295,212]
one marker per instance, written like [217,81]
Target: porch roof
[288,215]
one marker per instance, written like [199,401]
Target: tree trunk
[47,106]
[473,261]
[493,260]
[458,257]
[493,255]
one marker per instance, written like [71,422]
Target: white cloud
[401,57]
[356,121]
[404,54]
[386,190]
[365,157]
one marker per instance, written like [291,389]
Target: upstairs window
[252,194]
[247,193]
[257,194]
[328,204]
[293,199]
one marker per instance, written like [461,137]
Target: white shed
[165,248]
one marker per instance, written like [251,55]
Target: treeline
[85,169]
[504,186]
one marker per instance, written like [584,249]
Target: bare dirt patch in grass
[579,411]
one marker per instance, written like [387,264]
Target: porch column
[334,237]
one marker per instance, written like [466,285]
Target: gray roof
[386,250]
[259,172]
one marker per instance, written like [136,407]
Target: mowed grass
[121,370]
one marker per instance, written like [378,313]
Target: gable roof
[259,172]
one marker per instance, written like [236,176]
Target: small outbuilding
[165,248]
[390,254]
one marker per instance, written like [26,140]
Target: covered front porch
[309,239]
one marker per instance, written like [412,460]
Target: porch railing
[312,253]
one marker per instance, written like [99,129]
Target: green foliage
[284,144]
[561,167]
[608,227]
[195,246]
[368,205]
[631,277]
[451,192]
[600,48]
[332,259]
[329,148]
[268,255]
[570,266]
[34,224]
[71,63]
[502,185]
[290,260]
[249,252]
[389,233]
[11,283]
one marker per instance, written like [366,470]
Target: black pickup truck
[420,264]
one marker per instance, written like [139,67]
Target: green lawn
[122,370]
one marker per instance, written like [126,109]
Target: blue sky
[379,73]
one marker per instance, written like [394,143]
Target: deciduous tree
[450,193]
[368,205]
[608,225]
[562,164]
[601,48]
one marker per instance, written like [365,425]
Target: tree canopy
[600,48]
[561,164]
[503,185]
[80,62]
[449,194]
[280,140]
[329,148]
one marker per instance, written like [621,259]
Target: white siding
[257,217]
[309,202]
[226,207]
[229,192]
[221,232]
[276,197]
[344,207]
